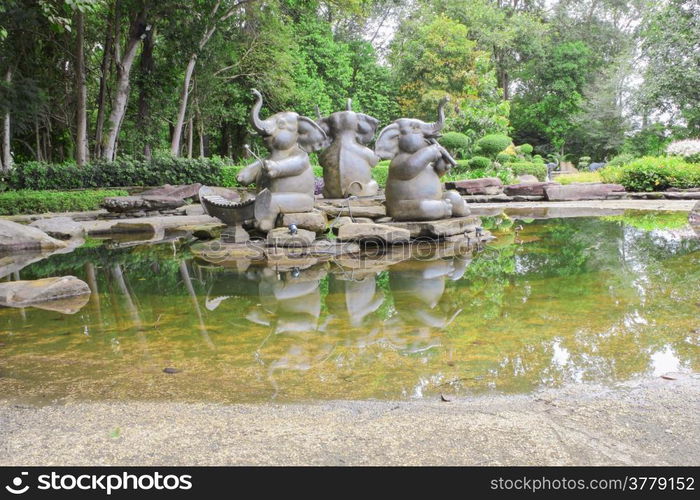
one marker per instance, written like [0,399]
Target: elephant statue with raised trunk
[414,191]
[347,163]
[284,180]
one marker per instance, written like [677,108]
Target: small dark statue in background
[414,191]
[285,180]
[347,163]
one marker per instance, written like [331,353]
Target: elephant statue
[414,191]
[347,163]
[285,180]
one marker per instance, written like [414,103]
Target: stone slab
[364,232]
[485,185]
[16,237]
[581,191]
[439,228]
[528,188]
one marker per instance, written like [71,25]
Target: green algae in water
[550,302]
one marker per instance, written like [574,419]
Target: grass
[580,177]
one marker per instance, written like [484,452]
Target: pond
[547,303]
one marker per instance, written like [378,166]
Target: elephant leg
[422,210]
[267,210]
[459,206]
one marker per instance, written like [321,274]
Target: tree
[670,36]
[433,57]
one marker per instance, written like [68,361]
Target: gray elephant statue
[347,163]
[285,181]
[414,191]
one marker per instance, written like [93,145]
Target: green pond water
[549,302]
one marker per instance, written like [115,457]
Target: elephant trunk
[349,105]
[432,129]
[262,127]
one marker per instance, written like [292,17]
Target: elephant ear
[366,127]
[387,145]
[311,135]
[325,125]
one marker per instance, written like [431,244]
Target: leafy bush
[620,160]
[229,174]
[525,149]
[654,174]
[538,159]
[37,202]
[493,144]
[380,172]
[479,162]
[456,143]
[504,158]
[524,167]
[125,171]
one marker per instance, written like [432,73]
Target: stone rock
[203,231]
[356,210]
[582,191]
[528,189]
[527,178]
[340,221]
[182,192]
[485,185]
[42,291]
[315,220]
[15,237]
[487,198]
[364,232]
[61,228]
[282,237]
[439,228]
[134,203]
[687,195]
[694,217]
[566,167]
[147,227]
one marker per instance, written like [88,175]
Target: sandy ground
[650,423]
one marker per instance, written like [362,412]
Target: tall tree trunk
[81,151]
[200,128]
[184,94]
[6,132]
[182,108]
[190,137]
[143,118]
[121,94]
[104,76]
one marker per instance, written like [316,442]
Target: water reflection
[549,302]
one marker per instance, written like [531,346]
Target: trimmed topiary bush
[39,202]
[504,158]
[538,159]
[456,143]
[479,162]
[525,167]
[493,144]
[620,160]
[525,149]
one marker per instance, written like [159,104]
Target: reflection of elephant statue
[353,298]
[413,189]
[347,163]
[285,180]
[418,286]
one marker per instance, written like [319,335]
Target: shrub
[525,149]
[229,174]
[493,144]
[456,143]
[523,167]
[538,159]
[380,172]
[654,174]
[620,160]
[479,162]
[125,171]
[36,202]
[504,158]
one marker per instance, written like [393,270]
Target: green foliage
[649,221]
[650,141]
[524,167]
[480,162]
[525,149]
[456,143]
[538,159]
[619,160]
[125,171]
[504,158]
[37,202]
[580,177]
[229,174]
[380,172]
[493,144]
[654,174]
